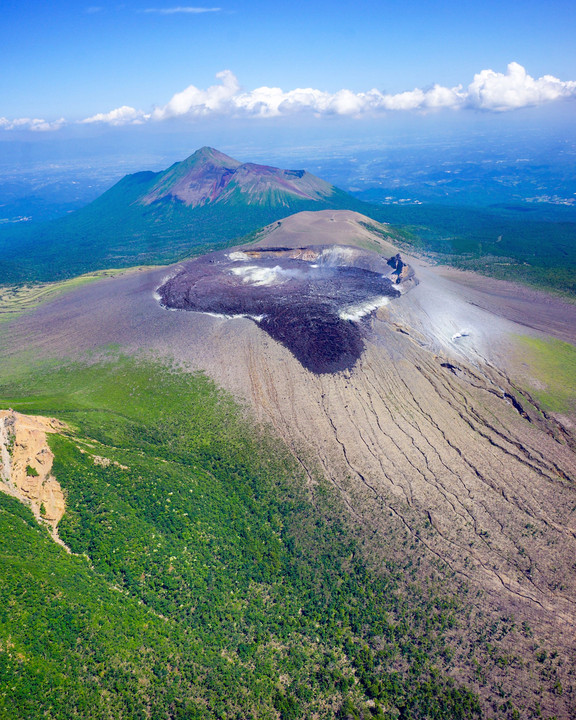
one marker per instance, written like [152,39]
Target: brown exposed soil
[26,465]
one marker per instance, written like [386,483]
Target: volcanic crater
[314,300]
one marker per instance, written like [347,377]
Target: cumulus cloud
[489,91]
[193,102]
[124,115]
[34,124]
[181,10]
[435,98]
[515,89]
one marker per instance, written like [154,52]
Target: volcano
[310,299]
[418,395]
[209,176]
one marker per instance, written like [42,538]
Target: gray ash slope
[310,299]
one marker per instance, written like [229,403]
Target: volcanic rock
[310,299]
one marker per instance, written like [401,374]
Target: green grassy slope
[510,242]
[208,580]
[552,366]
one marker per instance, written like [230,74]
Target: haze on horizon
[383,526]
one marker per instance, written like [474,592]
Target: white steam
[337,255]
[238,256]
[265,276]
[360,310]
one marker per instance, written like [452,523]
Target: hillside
[209,176]
[201,203]
[522,243]
[209,200]
[258,537]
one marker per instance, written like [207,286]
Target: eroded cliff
[26,465]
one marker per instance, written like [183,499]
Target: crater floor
[310,299]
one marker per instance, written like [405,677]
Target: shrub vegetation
[209,578]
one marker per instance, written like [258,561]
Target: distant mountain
[202,203]
[209,176]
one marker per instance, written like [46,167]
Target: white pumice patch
[222,316]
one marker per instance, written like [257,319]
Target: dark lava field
[312,300]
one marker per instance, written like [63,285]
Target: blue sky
[108,64]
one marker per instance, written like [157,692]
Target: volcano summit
[411,423]
[204,202]
[310,299]
[209,176]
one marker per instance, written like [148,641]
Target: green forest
[511,242]
[117,231]
[520,242]
[209,576]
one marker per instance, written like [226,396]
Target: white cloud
[271,102]
[181,10]
[34,124]
[489,91]
[193,102]
[435,98]
[120,116]
[516,89]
